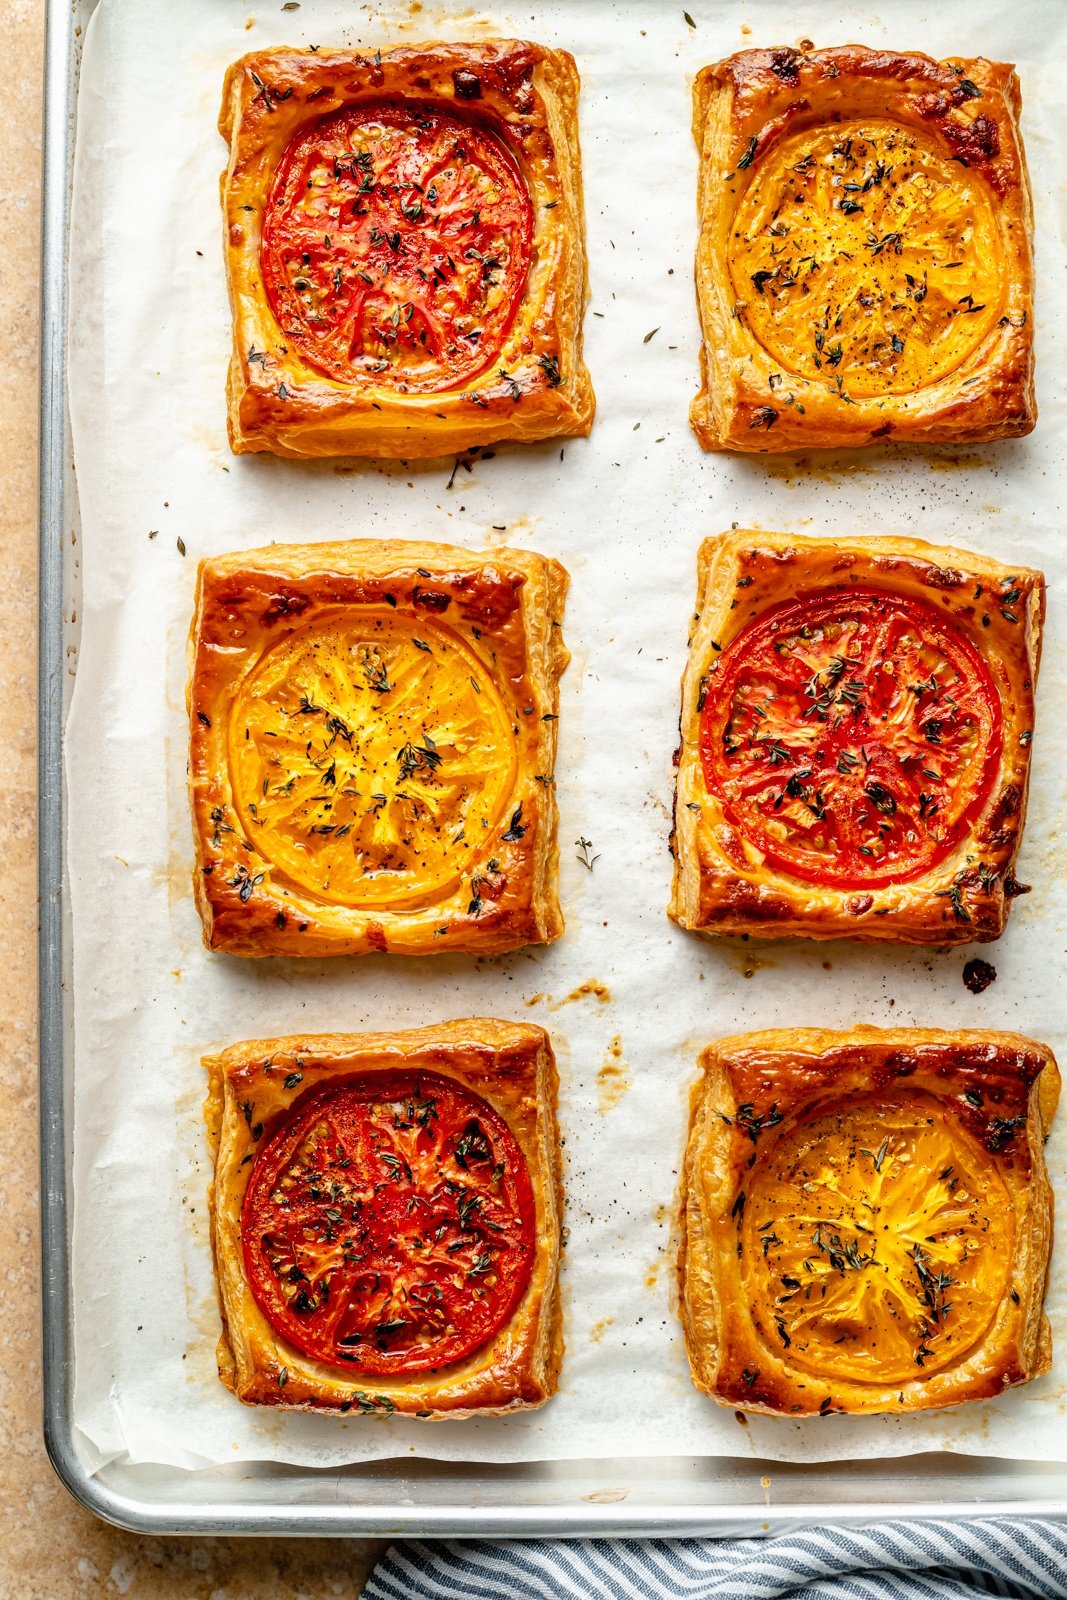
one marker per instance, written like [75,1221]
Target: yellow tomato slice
[866,258]
[877,1239]
[370,757]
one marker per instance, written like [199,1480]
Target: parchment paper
[625,511]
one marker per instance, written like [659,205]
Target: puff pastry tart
[864,269]
[867,1219]
[855,739]
[373,738]
[405,248]
[386,1219]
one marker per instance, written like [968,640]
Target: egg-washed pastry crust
[373,738]
[877,745]
[864,269]
[258,1086]
[405,249]
[867,1219]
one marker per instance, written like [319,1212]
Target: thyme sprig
[584,847]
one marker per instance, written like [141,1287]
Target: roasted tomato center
[866,258]
[877,1240]
[396,246]
[851,736]
[389,1226]
[370,757]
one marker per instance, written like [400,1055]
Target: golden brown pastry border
[529,98]
[741,107]
[721,884]
[506,605]
[509,1064]
[793,1069]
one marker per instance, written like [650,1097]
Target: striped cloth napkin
[1015,1556]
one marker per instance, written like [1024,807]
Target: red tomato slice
[851,737]
[389,1226]
[396,246]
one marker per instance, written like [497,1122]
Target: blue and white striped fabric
[1014,1556]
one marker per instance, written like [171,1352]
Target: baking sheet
[629,999]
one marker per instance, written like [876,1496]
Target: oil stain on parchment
[613,1079]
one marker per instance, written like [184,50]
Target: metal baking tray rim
[661,1496]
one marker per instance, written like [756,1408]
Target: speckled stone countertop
[50,1549]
